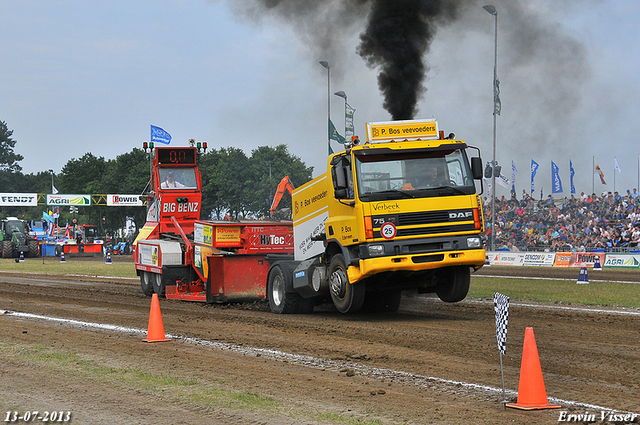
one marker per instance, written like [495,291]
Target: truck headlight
[376,250]
[474,243]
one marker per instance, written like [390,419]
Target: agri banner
[506,258]
[67,200]
[18,199]
[539,259]
[588,259]
[124,201]
[623,261]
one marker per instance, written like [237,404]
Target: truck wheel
[347,297]
[158,284]
[7,249]
[33,248]
[145,283]
[280,301]
[454,285]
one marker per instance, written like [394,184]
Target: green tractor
[14,239]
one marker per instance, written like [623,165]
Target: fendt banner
[18,199]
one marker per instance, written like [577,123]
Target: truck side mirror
[476,167]
[339,177]
[339,174]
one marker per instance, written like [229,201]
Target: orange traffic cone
[531,392]
[155,332]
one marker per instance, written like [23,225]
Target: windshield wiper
[452,188]
[393,191]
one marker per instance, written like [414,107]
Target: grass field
[53,265]
[538,290]
[564,291]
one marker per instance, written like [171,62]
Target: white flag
[503,181]
[617,167]
[53,189]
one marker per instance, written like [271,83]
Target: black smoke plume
[397,38]
[397,35]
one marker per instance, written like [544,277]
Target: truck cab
[398,212]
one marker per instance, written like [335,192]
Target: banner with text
[67,200]
[18,199]
[124,201]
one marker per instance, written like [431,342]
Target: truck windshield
[426,174]
[178,178]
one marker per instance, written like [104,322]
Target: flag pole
[593,172]
[504,396]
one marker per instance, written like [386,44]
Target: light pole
[492,10]
[344,96]
[52,190]
[51,171]
[326,65]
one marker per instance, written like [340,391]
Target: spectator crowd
[589,222]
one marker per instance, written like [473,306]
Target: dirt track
[430,363]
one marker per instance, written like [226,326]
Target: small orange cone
[155,332]
[531,392]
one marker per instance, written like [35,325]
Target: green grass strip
[53,265]
[605,294]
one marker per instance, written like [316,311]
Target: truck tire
[158,284]
[146,284]
[454,285]
[347,297]
[7,249]
[33,248]
[280,301]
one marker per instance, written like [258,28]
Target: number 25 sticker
[388,231]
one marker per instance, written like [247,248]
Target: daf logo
[456,215]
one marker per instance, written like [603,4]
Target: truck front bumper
[416,262]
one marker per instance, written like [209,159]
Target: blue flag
[47,217]
[159,135]
[572,172]
[555,178]
[534,170]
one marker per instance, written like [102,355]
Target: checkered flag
[501,305]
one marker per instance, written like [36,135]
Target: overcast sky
[83,76]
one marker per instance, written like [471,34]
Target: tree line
[233,184]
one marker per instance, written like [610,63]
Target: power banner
[124,201]
[588,259]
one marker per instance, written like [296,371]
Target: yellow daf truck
[397,213]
